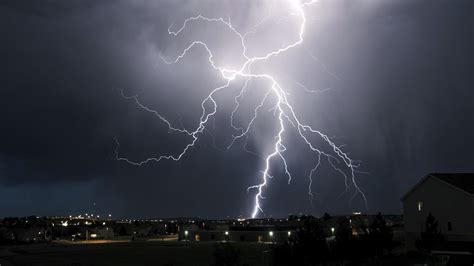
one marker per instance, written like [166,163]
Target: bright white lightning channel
[283,110]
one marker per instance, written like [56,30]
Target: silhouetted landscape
[357,239]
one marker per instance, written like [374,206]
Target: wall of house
[446,203]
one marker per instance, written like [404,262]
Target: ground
[169,253]
[126,253]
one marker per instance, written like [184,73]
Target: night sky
[401,99]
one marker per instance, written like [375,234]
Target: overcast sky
[399,73]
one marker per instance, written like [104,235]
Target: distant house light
[270,233]
[93,235]
[289,233]
[420,205]
[186,233]
[226,233]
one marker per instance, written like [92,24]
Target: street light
[271,236]
[332,230]
[226,233]
[289,233]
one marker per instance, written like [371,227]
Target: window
[450,226]
[420,205]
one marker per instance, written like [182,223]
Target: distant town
[90,227]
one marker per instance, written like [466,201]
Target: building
[268,234]
[100,233]
[449,198]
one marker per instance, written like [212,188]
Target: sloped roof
[464,181]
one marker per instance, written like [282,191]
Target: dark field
[128,253]
[169,253]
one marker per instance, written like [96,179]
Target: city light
[226,233]
[289,233]
[270,233]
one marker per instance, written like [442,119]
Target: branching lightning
[283,110]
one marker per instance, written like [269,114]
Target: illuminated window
[420,205]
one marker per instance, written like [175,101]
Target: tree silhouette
[344,248]
[380,235]
[431,237]
[306,247]
[123,231]
[326,216]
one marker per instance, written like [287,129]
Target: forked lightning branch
[286,118]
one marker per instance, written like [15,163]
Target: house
[449,197]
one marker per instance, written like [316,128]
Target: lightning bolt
[282,109]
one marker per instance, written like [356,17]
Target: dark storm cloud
[43,117]
[418,87]
[403,104]
[61,63]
